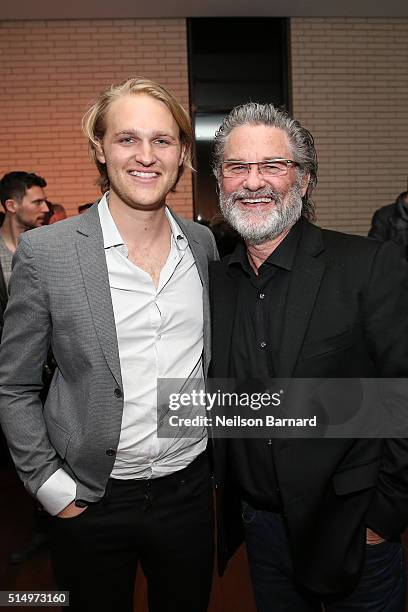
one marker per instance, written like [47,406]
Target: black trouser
[165,523]
[381,587]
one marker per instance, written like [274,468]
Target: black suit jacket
[345,317]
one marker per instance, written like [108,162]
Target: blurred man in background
[23,199]
[57,213]
[391,222]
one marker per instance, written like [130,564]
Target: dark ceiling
[106,9]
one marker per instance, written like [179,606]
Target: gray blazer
[60,299]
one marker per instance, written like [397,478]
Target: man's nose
[44,207]
[145,153]
[254,179]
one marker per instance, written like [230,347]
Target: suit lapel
[201,260]
[224,289]
[91,255]
[306,277]
[199,254]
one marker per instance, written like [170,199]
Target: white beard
[257,225]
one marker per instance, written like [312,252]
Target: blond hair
[93,122]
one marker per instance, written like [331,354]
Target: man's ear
[100,155]
[10,205]
[304,184]
[182,154]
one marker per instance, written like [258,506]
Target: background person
[58,213]
[23,199]
[391,222]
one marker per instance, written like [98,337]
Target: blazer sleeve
[23,351]
[386,323]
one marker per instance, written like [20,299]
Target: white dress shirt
[160,336]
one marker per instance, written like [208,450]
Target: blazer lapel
[92,261]
[201,260]
[224,290]
[305,281]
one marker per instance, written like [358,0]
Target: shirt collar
[282,257]
[178,236]
[112,237]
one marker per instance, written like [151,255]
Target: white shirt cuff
[57,492]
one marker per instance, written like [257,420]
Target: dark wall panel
[231,61]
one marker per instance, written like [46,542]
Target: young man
[23,199]
[296,301]
[120,292]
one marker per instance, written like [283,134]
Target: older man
[120,294]
[322,517]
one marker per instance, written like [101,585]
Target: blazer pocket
[59,438]
[328,345]
[356,478]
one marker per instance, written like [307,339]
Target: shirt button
[117,392]
[263,345]
[261,296]
[111,452]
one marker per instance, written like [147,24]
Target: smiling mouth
[251,201]
[143,174]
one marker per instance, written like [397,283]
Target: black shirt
[254,358]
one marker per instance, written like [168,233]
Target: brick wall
[52,70]
[350,88]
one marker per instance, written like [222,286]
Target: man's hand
[70,511]
[371,537]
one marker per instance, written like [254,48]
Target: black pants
[381,587]
[165,523]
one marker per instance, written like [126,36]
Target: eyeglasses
[269,167]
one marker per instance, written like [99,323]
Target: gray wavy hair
[300,139]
